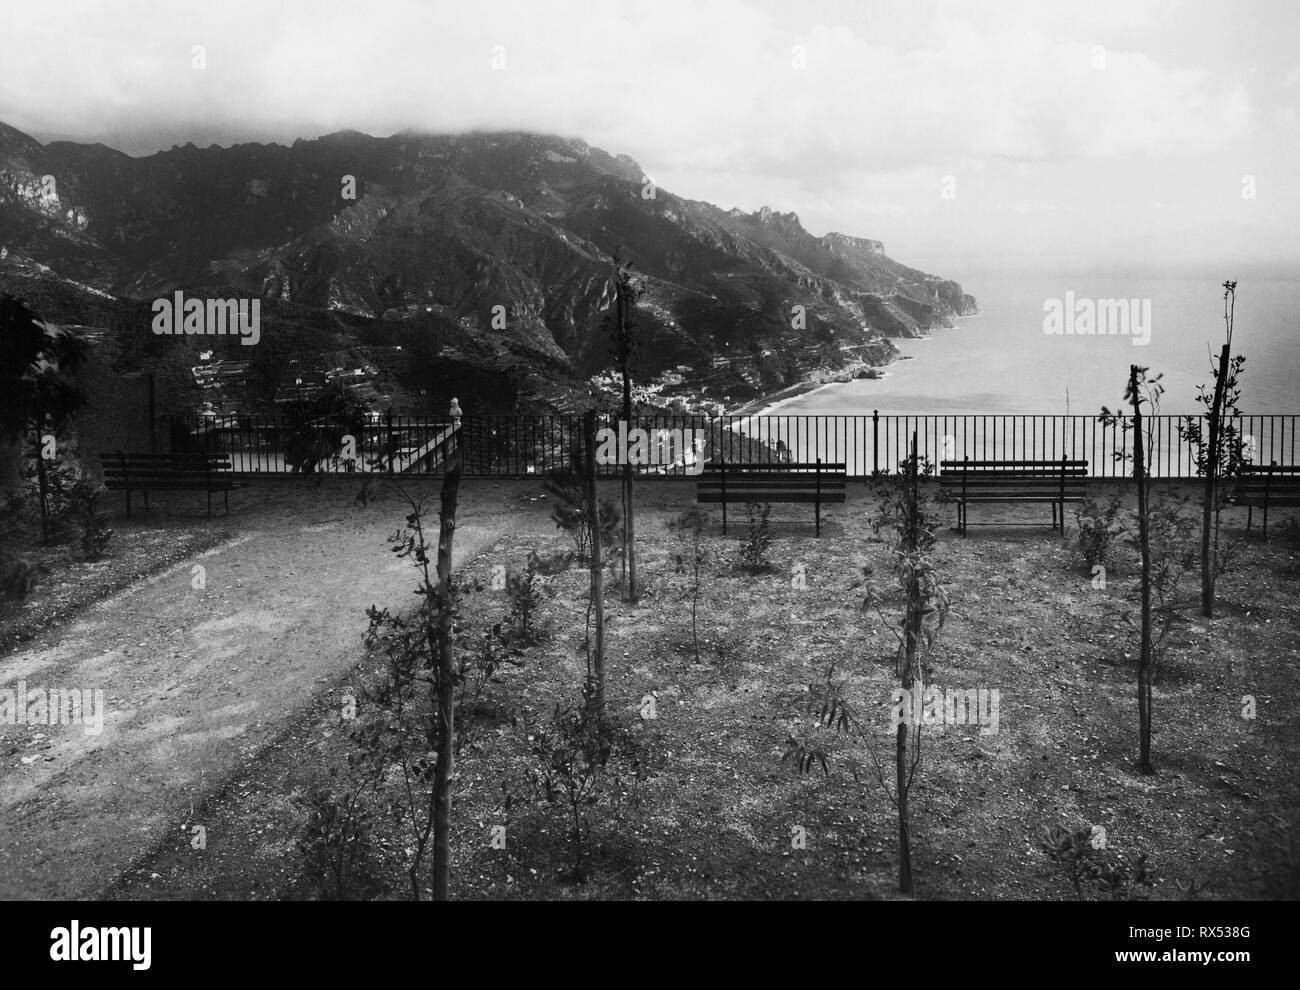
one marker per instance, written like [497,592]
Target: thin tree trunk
[629,531]
[1208,550]
[1144,539]
[911,644]
[629,491]
[597,573]
[695,601]
[446,701]
[904,836]
[44,487]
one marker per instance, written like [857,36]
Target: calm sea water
[1002,361]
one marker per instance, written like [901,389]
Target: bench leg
[1250,512]
[128,503]
[724,515]
[146,499]
[819,517]
[227,497]
[209,503]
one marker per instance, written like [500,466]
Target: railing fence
[519,446]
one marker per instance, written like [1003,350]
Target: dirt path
[196,680]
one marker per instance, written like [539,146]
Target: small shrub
[61,477]
[17,576]
[15,516]
[1289,528]
[583,762]
[83,507]
[571,512]
[1175,554]
[574,754]
[690,559]
[335,838]
[1099,529]
[1090,865]
[524,594]
[758,538]
[477,664]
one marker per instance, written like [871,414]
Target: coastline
[767,404]
[770,404]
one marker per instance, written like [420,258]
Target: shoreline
[770,404]
[767,404]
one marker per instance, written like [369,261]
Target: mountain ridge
[470,227]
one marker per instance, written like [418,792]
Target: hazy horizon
[965,136]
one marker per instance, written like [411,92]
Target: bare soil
[718,818]
[197,680]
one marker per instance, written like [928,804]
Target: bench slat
[780,466]
[768,483]
[953,465]
[783,496]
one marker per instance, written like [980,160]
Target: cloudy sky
[967,136]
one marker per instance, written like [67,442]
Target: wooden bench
[817,483]
[168,472]
[1276,485]
[1054,482]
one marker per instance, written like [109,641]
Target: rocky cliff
[503,242]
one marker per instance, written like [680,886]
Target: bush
[336,836]
[1290,530]
[1175,553]
[83,508]
[524,593]
[15,516]
[17,576]
[691,559]
[1099,528]
[477,665]
[571,512]
[1083,854]
[753,549]
[61,477]
[583,761]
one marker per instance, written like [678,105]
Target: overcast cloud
[1075,135]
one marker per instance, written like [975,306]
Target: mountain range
[491,252]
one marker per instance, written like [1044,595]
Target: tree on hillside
[445,679]
[1221,453]
[623,345]
[595,686]
[1142,390]
[38,387]
[436,617]
[924,612]
[908,519]
[315,430]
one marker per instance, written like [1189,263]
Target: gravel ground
[196,681]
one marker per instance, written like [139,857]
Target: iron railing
[519,446]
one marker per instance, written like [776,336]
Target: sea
[1003,362]
[998,385]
